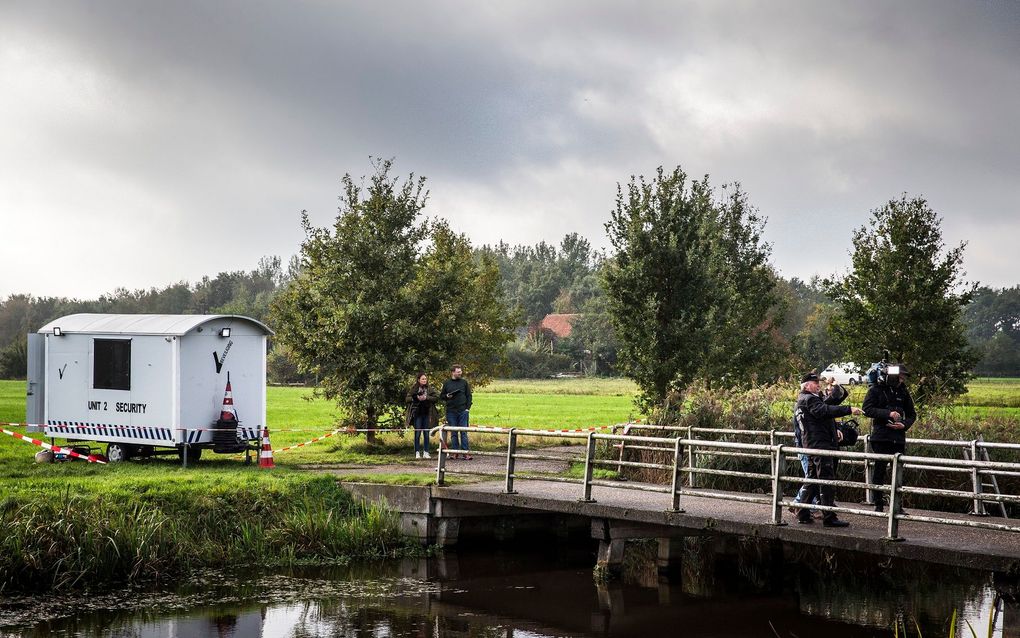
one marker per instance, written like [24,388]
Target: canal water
[545,589]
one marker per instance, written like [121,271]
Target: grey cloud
[214,115]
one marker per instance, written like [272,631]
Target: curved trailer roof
[167,325]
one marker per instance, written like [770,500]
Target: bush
[14,360]
[524,362]
[282,369]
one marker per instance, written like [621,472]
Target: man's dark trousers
[820,467]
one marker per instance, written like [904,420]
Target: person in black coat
[816,421]
[421,413]
[835,395]
[891,409]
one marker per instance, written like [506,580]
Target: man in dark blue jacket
[816,421]
[456,393]
[892,412]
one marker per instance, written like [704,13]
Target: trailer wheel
[117,452]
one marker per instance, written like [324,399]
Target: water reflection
[738,590]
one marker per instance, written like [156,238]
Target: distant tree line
[687,292]
[993,329]
[248,293]
[538,280]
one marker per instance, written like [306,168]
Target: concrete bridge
[506,499]
[437,514]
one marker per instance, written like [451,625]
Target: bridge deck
[929,542]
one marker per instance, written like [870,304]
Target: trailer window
[111,368]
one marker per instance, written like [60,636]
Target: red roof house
[559,325]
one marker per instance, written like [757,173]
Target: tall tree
[690,292]
[386,293]
[749,309]
[905,294]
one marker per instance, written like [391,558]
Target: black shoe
[880,508]
[805,520]
[835,522]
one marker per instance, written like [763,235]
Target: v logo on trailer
[60,371]
[218,359]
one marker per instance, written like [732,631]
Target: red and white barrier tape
[481,428]
[319,438]
[91,458]
[525,431]
[334,432]
[97,426]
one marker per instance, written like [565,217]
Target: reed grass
[92,538]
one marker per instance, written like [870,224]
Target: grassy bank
[72,525]
[105,530]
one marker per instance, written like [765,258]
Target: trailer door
[36,391]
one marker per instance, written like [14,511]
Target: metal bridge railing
[975,449]
[681,461]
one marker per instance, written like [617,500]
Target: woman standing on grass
[422,414]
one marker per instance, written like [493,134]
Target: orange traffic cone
[227,412]
[266,455]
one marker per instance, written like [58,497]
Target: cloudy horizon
[149,143]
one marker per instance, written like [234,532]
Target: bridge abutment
[444,515]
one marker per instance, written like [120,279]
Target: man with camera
[816,423]
[891,409]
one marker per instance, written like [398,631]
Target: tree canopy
[905,294]
[689,288]
[387,293]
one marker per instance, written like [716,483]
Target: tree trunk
[370,424]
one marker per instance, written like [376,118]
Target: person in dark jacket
[456,393]
[421,414]
[816,421]
[835,395]
[891,409]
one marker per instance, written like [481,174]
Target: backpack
[850,431]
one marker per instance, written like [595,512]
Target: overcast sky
[148,143]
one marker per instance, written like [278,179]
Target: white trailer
[147,384]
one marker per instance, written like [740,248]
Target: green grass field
[560,403]
[571,403]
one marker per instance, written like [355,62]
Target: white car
[843,374]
